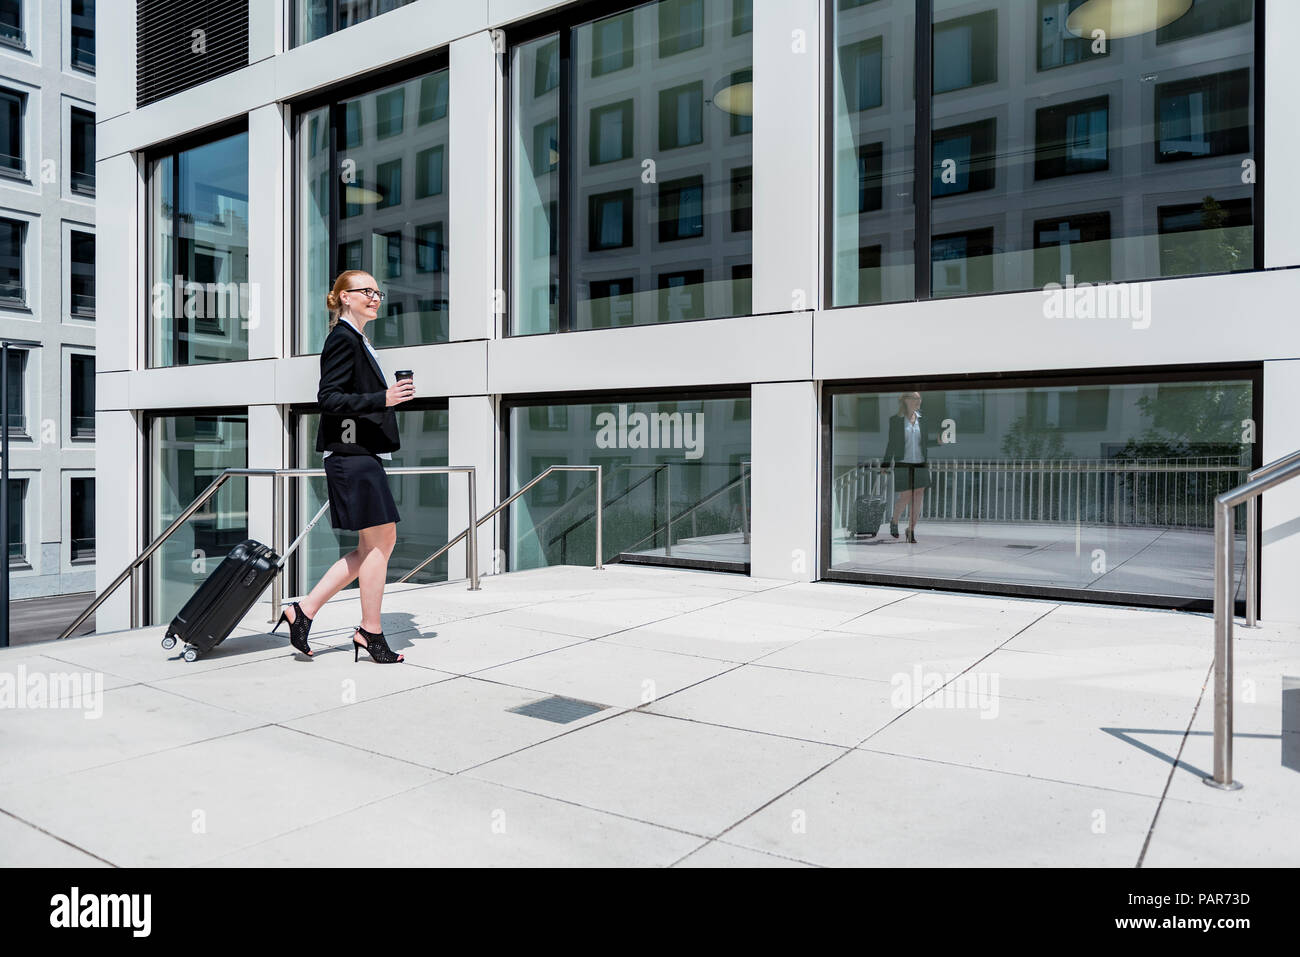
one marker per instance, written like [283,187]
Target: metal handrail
[471,557]
[537,478]
[1260,481]
[745,468]
[623,494]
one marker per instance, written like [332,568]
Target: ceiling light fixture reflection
[735,93]
[362,196]
[1117,19]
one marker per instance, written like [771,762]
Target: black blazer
[895,448]
[352,389]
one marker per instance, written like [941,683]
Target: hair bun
[332,301]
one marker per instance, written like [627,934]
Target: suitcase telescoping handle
[298,541]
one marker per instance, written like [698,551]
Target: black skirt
[359,493]
[908,476]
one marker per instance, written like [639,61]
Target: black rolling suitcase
[224,599]
[869,514]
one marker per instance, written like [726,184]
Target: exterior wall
[49,456]
[784,352]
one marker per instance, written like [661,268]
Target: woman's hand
[402,391]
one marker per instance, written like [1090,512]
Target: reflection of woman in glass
[906,449]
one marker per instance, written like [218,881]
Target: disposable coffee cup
[401,374]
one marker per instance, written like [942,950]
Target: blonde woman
[906,450]
[357,429]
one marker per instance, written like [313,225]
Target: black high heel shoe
[893,528]
[297,629]
[911,536]
[378,649]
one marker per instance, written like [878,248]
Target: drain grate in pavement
[559,709]
[1022,546]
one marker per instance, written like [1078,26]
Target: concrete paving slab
[22,845]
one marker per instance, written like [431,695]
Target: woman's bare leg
[914,510]
[376,546]
[339,576]
[900,502]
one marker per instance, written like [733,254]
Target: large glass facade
[186,452]
[631,169]
[199,296]
[386,210]
[675,476]
[1058,154]
[1098,486]
[421,499]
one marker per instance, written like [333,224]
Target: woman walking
[357,429]
[906,449]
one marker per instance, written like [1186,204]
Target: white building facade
[682,240]
[47,290]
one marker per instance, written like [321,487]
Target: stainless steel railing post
[1252,563]
[471,536]
[277,545]
[600,519]
[135,597]
[1223,536]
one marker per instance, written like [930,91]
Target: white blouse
[912,441]
[375,356]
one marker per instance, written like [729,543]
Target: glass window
[82,393]
[17,522]
[1057,46]
[1174,134]
[83,36]
[83,151]
[1072,138]
[691,106]
[81,275]
[421,499]
[317,18]
[378,220]
[81,519]
[12,233]
[872,208]
[17,392]
[11,23]
[1082,488]
[1206,16]
[675,481]
[611,133]
[11,132]
[742,198]
[186,452]
[965,51]
[742,17]
[198,249]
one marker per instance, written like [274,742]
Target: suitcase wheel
[169,641]
[191,654]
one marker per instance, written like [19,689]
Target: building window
[574,221]
[198,247]
[17,389]
[83,151]
[966,52]
[82,392]
[862,64]
[1206,16]
[609,223]
[742,199]
[11,133]
[681,209]
[377,219]
[186,453]
[11,24]
[12,291]
[871,174]
[1057,46]
[1072,249]
[611,41]
[611,133]
[742,17]
[965,158]
[656,472]
[681,26]
[81,274]
[314,19]
[1034,464]
[1212,236]
[1203,116]
[681,296]
[83,35]
[681,117]
[17,522]
[81,519]
[1072,138]
[962,263]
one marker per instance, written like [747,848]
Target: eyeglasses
[369,293]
